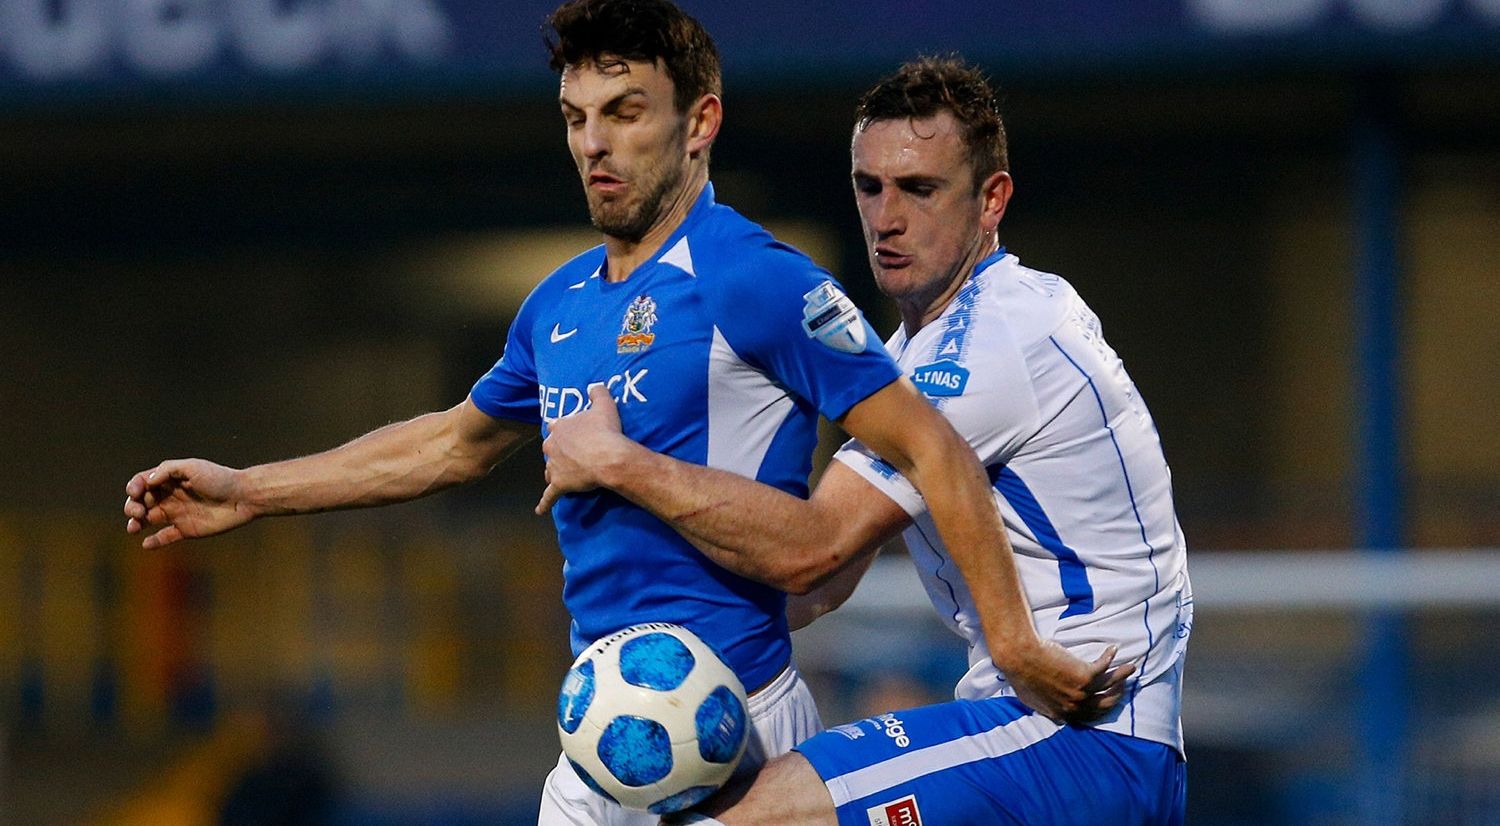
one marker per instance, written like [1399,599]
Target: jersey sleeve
[882,475]
[784,315]
[509,389]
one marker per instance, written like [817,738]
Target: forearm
[803,609]
[752,529]
[395,463]
[914,437]
[755,530]
[962,506]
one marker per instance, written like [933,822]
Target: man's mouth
[891,259]
[605,182]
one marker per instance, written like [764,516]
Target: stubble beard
[917,286]
[631,221]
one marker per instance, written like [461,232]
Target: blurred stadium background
[250,229]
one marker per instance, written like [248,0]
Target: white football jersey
[1019,365]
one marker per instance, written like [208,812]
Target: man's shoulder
[729,245]
[1026,303]
[1010,278]
[571,275]
[580,267]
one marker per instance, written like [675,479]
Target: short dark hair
[584,31]
[928,85]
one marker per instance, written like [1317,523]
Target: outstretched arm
[188,498]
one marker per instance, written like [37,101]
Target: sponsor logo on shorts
[894,729]
[901,812]
[850,730]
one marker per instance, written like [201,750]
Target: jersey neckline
[701,206]
[905,340]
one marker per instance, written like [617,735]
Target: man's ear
[995,192]
[704,119]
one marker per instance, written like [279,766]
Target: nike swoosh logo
[559,336]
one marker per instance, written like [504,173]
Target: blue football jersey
[721,350]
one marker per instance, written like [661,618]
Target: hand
[1066,689]
[188,497]
[580,446]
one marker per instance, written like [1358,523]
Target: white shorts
[781,715]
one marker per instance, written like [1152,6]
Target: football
[652,718]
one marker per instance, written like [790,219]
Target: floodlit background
[252,229]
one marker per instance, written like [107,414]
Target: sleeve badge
[830,318]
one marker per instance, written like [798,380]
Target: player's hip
[993,761]
[782,714]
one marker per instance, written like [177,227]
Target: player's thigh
[786,790]
[992,762]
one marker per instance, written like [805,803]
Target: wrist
[624,462]
[1017,650]
[246,492]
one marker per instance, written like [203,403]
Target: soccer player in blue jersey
[717,346]
[1017,361]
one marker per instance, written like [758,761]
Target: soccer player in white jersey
[1017,361]
[720,346]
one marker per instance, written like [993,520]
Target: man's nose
[595,140]
[887,217]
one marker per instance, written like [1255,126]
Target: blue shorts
[991,762]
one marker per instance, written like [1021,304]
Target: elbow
[810,569]
[796,584]
[461,466]
[476,467]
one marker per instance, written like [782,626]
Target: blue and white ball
[652,718]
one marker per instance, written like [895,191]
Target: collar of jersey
[700,208]
[988,261]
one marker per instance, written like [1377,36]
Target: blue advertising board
[231,48]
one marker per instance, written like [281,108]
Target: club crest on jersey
[901,812]
[941,378]
[831,318]
[635,332]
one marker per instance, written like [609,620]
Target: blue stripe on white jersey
[1021,369]
[705,351]
[1071,570]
